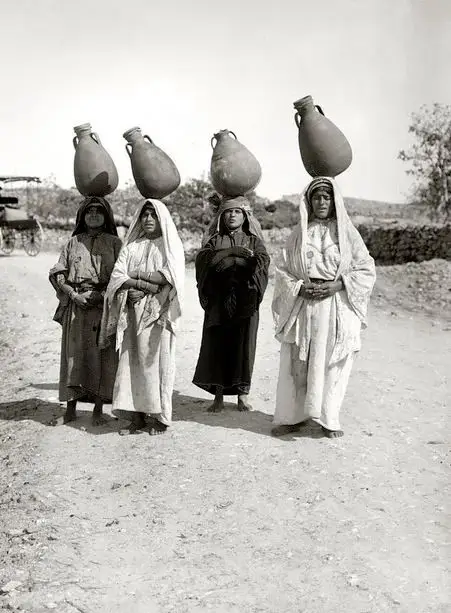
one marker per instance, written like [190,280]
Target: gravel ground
[217,515]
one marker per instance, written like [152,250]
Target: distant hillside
[360,207]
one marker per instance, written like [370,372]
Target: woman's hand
[136,274]
[313,291]
[328,289]
[95,298]
[242,252]
[244,262]
[225,263]
[142,286]
[135,295]
[80,300]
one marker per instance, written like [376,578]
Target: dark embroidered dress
[231,300]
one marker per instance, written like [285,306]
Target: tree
[430,158]
[189,205]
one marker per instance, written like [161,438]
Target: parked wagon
[17,226]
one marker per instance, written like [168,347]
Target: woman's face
[233,218]
[149,222]
[94,217]
[322,203]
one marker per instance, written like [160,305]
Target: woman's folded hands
[320,291]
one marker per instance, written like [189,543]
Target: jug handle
[148,138]
[95,137]
[75,141]
[129,151]
[213,138]
[297,119]
[318,108]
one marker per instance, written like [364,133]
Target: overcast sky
[184,69]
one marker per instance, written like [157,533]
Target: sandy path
[217,515]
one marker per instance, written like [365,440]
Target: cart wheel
[32,240]
[8,240]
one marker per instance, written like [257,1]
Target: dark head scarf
[109,226]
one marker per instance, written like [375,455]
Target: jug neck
[83,129]
[304,104]
[221,134]
[133,134]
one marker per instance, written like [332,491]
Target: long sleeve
[203,263]
[360,277]
[286,301]
[260,272]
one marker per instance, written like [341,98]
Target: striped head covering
[318,183]
[236,202]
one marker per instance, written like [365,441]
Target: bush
[398,244]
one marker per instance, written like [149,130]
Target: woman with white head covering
[232,274]
[321,295]
[143,305]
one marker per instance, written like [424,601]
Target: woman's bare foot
[98,419]
[156,427]
[138,423]
[218,404]
[71,412]
[97,415]
[216,407]
[243,404]
[332,433]
[287,428]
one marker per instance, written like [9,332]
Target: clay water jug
[94,170]
[324,149]
[234,170]
[155,174]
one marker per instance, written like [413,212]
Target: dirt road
[217,515]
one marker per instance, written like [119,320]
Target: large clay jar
[94,170]
[234,170]
[155,174]
[324,149]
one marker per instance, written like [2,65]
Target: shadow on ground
[51,414]
[190,408]
[185,409]
[45,386]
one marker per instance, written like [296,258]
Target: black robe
[231,300]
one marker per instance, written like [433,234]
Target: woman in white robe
[143,305]
[322,289]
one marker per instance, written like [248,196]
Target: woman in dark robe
[80,278]
[232,275]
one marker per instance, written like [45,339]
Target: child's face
[94,217]
[233,218]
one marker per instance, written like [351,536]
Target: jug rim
[83,127]
[302,102]
[130,131]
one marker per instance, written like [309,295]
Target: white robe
[319,339]
[146,370]
[144,333]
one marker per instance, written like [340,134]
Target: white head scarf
[356,267]
[173,248]
[114,321]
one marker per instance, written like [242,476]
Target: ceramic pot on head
[94,171]
[155,174]
[234,170]
[324,149]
